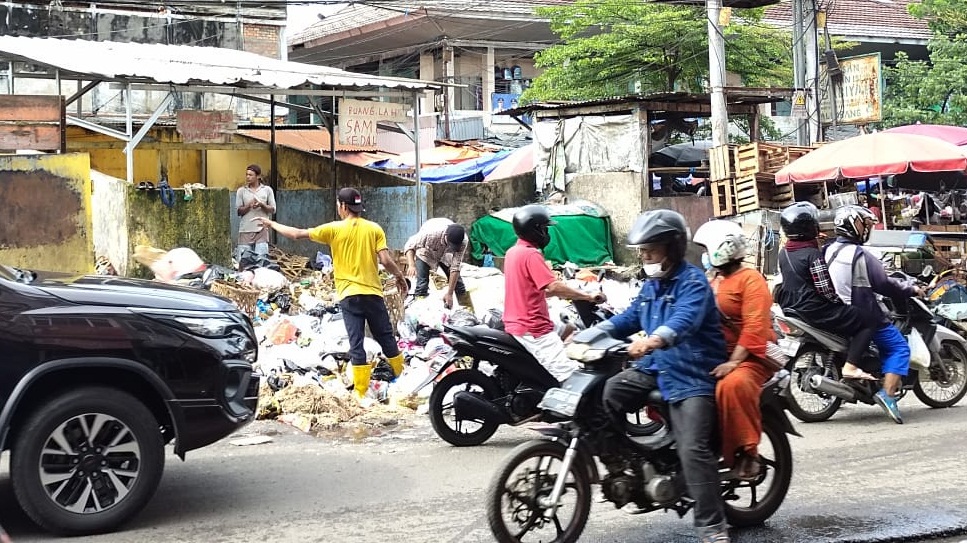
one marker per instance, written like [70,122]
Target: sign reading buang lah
[357,120]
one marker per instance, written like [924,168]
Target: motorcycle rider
[528,281]
[858,277]
[807,290]
[683,344]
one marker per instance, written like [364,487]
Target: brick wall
[261,39]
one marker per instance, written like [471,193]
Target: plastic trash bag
[919,352]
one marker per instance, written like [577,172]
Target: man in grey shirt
[253,200]
[429,248]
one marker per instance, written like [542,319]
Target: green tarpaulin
[582,235]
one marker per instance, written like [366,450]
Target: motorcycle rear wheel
[942,394]
[463,433]
[777,460]
[513,509]
[809,406]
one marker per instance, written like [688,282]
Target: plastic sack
[919,352]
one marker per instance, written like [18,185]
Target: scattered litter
[254,440]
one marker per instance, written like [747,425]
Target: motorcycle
[498,382]
[817,358]
[544,478]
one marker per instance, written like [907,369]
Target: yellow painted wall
[63,185]
[182,166]
[226,169]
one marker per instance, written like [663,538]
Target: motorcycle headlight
[199,323]
[583,352]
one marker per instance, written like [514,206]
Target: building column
[489,85]
[427,73]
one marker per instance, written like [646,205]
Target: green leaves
[612,48]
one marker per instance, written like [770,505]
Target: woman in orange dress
[745,303]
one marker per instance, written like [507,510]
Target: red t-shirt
[525,277]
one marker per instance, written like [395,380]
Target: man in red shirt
[527,282]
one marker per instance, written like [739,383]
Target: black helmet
[854,223]
[800,221]
[661,226]
[531,224]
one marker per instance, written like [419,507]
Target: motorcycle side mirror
[927,271]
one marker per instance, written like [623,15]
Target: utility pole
[799,66]
[716,74]
[811,44]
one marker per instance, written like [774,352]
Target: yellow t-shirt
[354,243]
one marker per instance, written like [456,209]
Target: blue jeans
[359,310]
[894,350]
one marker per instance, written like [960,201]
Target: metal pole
[811,44]
[799,65]
[10,78]
[332,144]
[716,63]
[273,150]
[416,158]
[129,130]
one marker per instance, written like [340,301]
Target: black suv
[97,373]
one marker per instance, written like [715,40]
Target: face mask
[706,262]
[655,270]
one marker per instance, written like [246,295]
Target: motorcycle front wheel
[752,503]
[517,507]
[938,390]
[461,433]
[809,406]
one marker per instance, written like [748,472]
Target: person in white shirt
[253,201]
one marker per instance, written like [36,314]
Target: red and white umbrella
[871,155]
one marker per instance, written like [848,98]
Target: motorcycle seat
[832,341]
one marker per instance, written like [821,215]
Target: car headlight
[582,352]
[199,323]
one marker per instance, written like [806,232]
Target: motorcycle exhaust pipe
[833,388]
[470,406]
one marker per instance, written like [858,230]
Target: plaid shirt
[821,279]
[430,244]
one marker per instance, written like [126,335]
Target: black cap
[352,199]
[455,235]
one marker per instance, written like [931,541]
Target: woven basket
[394,304]
[243,297]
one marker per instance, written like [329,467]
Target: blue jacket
[681,309]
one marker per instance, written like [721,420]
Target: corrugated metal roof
[187,65]
[313,140]
[733,96]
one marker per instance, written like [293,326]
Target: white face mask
[655,270]
[706,261]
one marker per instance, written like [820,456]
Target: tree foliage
[609,45]
[932,91]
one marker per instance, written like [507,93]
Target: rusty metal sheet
[31,108]
[32,122]
[195,126]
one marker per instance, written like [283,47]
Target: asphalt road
[858,478]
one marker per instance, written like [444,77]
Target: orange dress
[745,299]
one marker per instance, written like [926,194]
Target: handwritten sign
[357,120]
[205,126]
[859,97]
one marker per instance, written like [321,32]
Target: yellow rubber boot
[396,363]
[361,376]
[466,302]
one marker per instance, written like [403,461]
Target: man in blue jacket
[683,342]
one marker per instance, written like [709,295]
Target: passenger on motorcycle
[676,310]
[527,282]
[807,290]
[745,304]
[858,277]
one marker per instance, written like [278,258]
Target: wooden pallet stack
[743,177]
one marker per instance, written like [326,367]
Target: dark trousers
[359,310]
[423,279]
[693,421]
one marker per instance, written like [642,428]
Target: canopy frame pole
[416,158]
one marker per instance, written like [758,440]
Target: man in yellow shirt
[357,245]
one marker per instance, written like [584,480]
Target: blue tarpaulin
[468,170]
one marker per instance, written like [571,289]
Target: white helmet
[724,242]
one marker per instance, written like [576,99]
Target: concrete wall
[697,210]
[303,208]
[621,194]
[110,220]
[464,203]
[47,212]
[199,224]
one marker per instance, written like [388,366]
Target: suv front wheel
[87,460]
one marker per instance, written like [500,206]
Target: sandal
[860,375]
[747,468]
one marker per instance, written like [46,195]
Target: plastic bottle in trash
[488,258]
